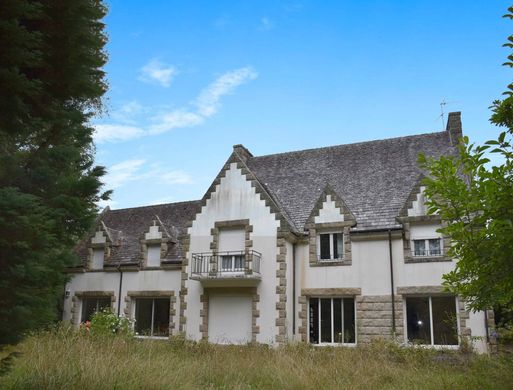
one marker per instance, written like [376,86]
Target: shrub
[105,322]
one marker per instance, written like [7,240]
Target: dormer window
[153,255]
[330,246]
[98,258]
[427,247]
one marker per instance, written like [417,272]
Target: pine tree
[51,86]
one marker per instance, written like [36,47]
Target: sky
[190,79]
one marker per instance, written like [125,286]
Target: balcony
[223,269]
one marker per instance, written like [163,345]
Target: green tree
[474,195]
[51,85]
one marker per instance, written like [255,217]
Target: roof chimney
[242,152]
[454,127]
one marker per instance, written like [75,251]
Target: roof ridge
[156,205]
[350,144]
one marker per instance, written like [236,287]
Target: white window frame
[232,267]
[426,245]
[332,327]
[152,318]
[332,258]
[432,336]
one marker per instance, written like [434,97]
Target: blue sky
[189,79]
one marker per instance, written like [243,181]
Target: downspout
[294,289]
[486,327]
[120,285]
[392,287]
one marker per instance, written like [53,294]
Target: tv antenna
[443,103]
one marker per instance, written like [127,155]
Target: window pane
[434,247]
[325,246]
[161,317]
[143,316]
[417,319]
[338,245]
[88,308]
[445,328]
[419,247]
[314,320]
[349,321]
[226,263]
[337,320]
[326,320]
[239,263]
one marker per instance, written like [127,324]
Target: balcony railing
[226,264]
[426,252]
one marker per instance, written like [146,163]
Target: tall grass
[64,358]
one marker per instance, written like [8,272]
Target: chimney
[454,127]
[242,152]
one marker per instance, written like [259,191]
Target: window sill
[328,263]
[349,345]
[427,259]
[431,346]
[152,337]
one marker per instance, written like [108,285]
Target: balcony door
[231,250]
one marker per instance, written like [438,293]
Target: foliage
[51,85]
[105,322]
[474,196]
[68,359]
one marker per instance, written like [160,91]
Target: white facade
[276,301]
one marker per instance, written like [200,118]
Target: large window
[427,247]
[152,316]
[332,321]
[92,305]
[432,320]
[330,246]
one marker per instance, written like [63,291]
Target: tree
[474,196]
[51,85]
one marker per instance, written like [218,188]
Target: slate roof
[128,226]
[373,178]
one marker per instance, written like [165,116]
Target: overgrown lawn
[67,359]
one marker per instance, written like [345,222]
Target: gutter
[120,285]
[392,287]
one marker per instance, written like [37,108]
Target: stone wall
[374,317]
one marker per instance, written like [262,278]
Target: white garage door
[229,319]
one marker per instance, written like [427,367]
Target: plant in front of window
[107,323]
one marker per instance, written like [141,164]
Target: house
[327,246]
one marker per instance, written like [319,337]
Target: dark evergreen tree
[51,85]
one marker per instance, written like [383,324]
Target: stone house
[330,246]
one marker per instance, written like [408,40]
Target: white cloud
[116,132]
[123,172]
[175,119]
[266,24]
[128,112]
[104,203]
[158,72]
[177,177]
[208,103]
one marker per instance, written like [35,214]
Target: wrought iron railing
[228,263]
[426,252]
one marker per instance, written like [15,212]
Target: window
[92,305]
[330,246]
[97,260]
[152,316]
[427,247]
[153,254]
[232,262]
[432,320]
[332,320]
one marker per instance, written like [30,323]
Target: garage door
[229,319]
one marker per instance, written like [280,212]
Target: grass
[64,358]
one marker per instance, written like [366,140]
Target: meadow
[65,358]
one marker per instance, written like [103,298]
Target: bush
[105,322]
